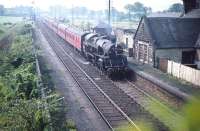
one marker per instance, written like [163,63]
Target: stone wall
[198,59]
[170,54]
[190,5]
[143,36]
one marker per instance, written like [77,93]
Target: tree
[83,11]
[114,14]
[92,14]
[121,16]
[177,7]
[137,10]
[148,10]
[2,10]
[129,9]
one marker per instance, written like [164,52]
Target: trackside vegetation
[23,104]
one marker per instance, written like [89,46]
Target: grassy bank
[5,19]
[22,106]
[7,22]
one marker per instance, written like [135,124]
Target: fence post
[197,78]
[171,67]
[179,73]
[184,72]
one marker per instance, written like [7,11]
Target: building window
[188,57]
[143,51]
[150,54]
[198,4]
[140,54]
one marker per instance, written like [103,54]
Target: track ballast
[111,102]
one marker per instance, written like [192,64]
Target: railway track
[125,105]
[158,109]
[108,109]
[142,98]
[169,98]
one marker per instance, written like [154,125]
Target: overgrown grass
[59,116]
[22,106]
[70,124]
[189,122]
[18,64]
[10,19]
[1,32]
[7,22]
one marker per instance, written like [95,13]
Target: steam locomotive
[97,48]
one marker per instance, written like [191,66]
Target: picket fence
[184,72]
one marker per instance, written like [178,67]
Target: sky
[156,5]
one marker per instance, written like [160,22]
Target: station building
[175,38]
[125,37]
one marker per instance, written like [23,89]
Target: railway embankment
[65,53]
[80,113]
[22,105]
[105,84]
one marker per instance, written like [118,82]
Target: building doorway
[143,52]
[188,57]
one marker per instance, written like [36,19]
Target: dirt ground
[79,108]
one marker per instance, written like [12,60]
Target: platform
[163,80]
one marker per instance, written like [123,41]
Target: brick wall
[198,59]
[189,5]
[142,36]
[171,54]
[198,54]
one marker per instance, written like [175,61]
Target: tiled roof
[173,32]
[165,14]
[195,13]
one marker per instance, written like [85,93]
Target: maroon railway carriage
[61,31]
[71,35]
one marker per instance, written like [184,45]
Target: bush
[70,124]
[20,97]
[7,23]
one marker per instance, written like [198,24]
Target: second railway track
[111,102]
[109,111]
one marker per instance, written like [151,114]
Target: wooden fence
[184,72]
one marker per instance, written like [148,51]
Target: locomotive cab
[112,57]
[104,53]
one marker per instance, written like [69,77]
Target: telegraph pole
[109,11]
[33,11]
[72,14]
